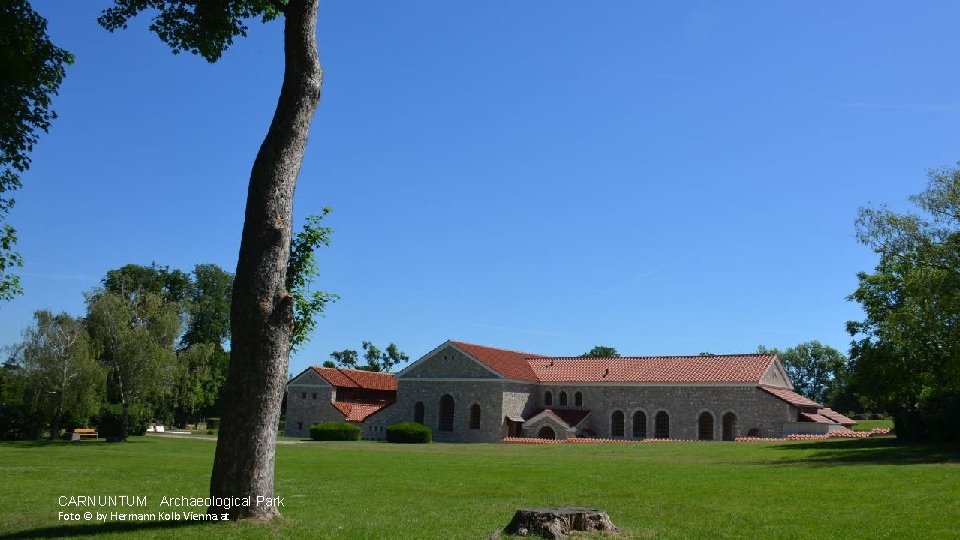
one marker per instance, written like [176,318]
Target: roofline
[649,357]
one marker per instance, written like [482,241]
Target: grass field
[868,488]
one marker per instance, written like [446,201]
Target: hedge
[409,432]
[334,431]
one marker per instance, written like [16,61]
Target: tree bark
[262,309]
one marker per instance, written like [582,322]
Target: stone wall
[309,399]
[754,408]
[448,363]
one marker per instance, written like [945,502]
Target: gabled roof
[791,397]
[743,368]
[820,419]
[509,364]
[357,412]
[836,417]
[355,378]
[569,418]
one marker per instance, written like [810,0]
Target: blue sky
[665,178]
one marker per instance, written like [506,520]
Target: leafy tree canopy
[816,370]
[376,360]
[31,70]
[601,351]
[906,352]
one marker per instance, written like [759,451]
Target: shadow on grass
[70,531]
[873,451]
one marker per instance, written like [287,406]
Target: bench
[80,433]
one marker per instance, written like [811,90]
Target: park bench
[79,433]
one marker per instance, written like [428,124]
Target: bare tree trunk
[262,310]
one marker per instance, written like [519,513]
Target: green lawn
[867,425]
[868,488]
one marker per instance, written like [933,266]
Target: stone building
[475,393]
[320,394]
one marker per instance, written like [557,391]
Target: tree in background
[262,310]
[601,351]
[906,352]
[60,369]
[135,338]
[817,371]
[31,70]
[377,360]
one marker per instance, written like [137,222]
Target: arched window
[546,432]
[705,426]
[729,427]
[661,425]
[446,413]
[548,398]
[563,399]
[418,412]
[639,425]
[616,424]
[474,416]
[578,399]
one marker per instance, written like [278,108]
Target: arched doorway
[418,412]
[546,432]
[616,424]
[705,426]
[661,425]
[639,425]
[729,427]
[446,413]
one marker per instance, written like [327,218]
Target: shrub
[409,432]
[334,431]
[110,420]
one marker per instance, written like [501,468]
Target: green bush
[334,431]
[110,419]
[409,432]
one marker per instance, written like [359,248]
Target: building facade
[475,393]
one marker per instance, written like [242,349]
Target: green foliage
[109,421]
[60,369]
[302,269]
[409,433]
[135,336]
[377,360]
[906,352]
[209,306]
[31,70]
[18,420]
[601,351]
[202,27]
[132,280]
[334,431]
[818,371]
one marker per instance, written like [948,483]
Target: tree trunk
[557,522]
[261,312]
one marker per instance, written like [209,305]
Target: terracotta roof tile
[658,369]
[813,417]
[355,378]
[357,412]
[510,364]
[790,396]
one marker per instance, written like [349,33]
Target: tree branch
[280,6]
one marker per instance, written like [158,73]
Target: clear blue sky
[665,178]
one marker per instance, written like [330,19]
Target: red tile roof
[355,378]
[813,417]
[791,397]
[357,412]
[747,368]
[510,364]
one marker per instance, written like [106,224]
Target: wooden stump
[557,522]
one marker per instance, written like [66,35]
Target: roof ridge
[730,355]
[532,355]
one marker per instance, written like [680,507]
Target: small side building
[320,394]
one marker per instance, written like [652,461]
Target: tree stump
[557,522]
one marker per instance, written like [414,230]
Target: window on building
[616,424]
[418,412]
[548,398]
[639,425]
[303,395]
[578,399]
[299,426]
[446,413]
[474,416]
[705,426]
[314,395]
[661,425]
[563,399]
